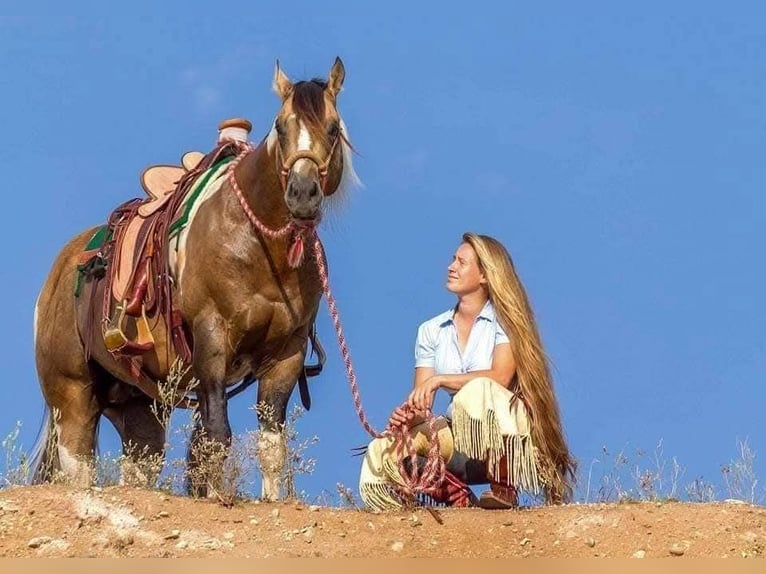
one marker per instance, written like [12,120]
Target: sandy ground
[118,521]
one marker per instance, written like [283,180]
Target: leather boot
[453,492]
[502,494]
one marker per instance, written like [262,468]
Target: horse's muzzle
[303,197]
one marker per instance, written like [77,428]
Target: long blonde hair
[533,378]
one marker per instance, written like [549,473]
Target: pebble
[182,544]
[173,535]
[590,542]
[677,550]
[397,546]
[314,508]
[228,536]
[639,554]
[275,513]
[38,541]
[163,514]
[123,539]
[524,541]
[253,521]
[8,506]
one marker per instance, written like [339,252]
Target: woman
[502,425]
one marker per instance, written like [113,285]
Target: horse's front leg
[274,390]
[210,443]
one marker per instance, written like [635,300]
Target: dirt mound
[118,521]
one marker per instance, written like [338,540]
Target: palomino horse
[246,306]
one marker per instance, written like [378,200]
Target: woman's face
[463,274]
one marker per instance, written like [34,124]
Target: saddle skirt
[160,181]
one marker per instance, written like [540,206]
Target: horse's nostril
[304,190]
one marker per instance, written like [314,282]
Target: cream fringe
[486,424]
[380,472]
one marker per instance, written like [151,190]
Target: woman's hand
[400,417]
[422,397]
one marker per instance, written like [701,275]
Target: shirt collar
[487,312]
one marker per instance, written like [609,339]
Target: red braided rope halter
[417,481]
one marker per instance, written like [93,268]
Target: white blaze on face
[304,142]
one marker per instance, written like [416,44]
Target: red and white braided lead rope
[417,481]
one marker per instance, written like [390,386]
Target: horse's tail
[44,456]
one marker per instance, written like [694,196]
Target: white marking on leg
[76,468]
[271,454]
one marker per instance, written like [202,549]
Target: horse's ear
[281,84]
[336,77]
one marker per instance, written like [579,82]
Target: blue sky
[616,150]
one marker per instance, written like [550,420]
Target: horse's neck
[259,182]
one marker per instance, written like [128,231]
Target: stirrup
[115,339]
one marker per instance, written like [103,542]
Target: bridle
[285,165]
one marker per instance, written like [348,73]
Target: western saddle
[139,285]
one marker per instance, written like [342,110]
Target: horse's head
[309,141]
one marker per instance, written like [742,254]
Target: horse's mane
[308,103]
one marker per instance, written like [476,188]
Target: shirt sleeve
[500,336]
[425,347]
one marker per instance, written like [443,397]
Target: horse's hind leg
[71,439]
[63,373]
[141,431]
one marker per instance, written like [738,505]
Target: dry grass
[231,473]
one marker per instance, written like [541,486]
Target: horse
[247,307]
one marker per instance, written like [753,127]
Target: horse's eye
[279,128]
[334,130]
